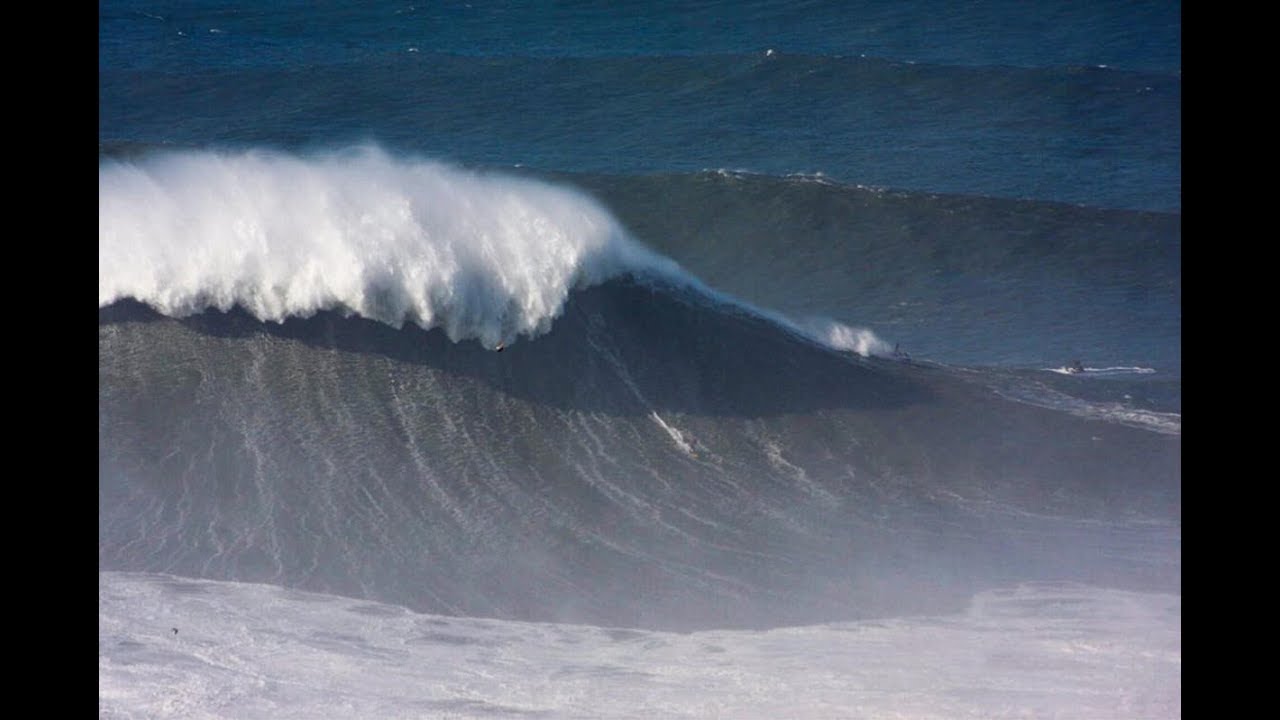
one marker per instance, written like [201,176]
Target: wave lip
[481,256]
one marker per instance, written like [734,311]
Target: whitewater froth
[481,256]
[837,335]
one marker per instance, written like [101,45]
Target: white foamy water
[1117,371]
[852,339]
[259,651]
[482,256]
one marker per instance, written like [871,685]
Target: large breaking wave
[661,456]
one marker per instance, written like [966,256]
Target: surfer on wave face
[1075,367]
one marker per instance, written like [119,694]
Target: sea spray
[480,255]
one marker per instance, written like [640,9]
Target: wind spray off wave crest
[839,336]
[479,255]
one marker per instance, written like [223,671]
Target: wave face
[651,462]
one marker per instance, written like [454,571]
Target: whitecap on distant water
[1114,371]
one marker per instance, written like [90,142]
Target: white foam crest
[482,256]
[852,339]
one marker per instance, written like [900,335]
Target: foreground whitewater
[178,648]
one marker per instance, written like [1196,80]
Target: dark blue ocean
[655,315]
